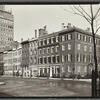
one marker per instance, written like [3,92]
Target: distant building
[25,58]
[33,57]
[12,61]
[6,27]
[1,63]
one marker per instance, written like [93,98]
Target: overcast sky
[27,18]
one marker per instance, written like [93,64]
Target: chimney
[88,29]
[21,39]
[45,28]
[63,26]
[69,25]
[35,33]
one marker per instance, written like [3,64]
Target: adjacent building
[6,27]
[25,58]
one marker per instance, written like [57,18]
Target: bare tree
[92,16]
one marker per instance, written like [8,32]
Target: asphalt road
[29,87]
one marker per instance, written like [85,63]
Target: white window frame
[52,58]
[52,50]
[48,40]
[85,48]
[69,68]
[78,46]
[79,37]
[47,49]
[57,38]
[62,58]
[69,36]
[56,58]
[39,51]
[63,47]
[79,57]
[57,49]
[63,37]
[69,57]
[69,46]
[90,40]
[85,38]
[52,39]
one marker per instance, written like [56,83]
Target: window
[69,36]
[44,51]
[49,59]
[43,41]
[69,46]
[90,58]
[48,50]
[52,39]
[52,49]
[57,38]
[85,69]
[69,68]
[62,58]
[84,58]
[85,48]
[52,59]
[57,48]
[79,36]
[57,59]
[39,51]
[47,40]
[78,68]
[90,40]
[78,57]
[63,37]
[63,48]
[78,46]
[90,49]
[69,57]
[84,38]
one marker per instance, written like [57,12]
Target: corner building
[67,52]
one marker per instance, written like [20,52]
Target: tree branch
[85,11]
[97,30]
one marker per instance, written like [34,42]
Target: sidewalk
[86,80]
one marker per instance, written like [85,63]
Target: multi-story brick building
[25,58]
[6,27]
[48,54]
[33,57]
[67,52]
[12,61]
[8,62]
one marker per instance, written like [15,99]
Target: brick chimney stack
[35,33]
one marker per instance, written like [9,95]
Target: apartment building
[33,57]
[6,27]
[67,52]
[25,58]
[12,61]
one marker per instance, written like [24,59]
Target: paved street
[21,87]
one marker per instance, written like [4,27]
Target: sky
[27,18]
